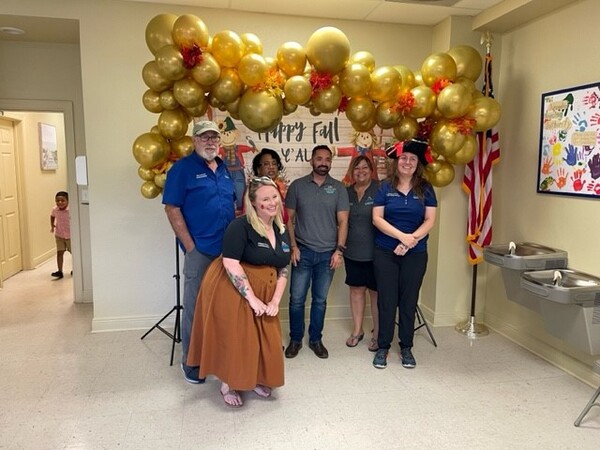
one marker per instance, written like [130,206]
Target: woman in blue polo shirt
[403,214]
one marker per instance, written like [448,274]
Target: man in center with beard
[317,207]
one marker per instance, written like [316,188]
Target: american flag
[477,182]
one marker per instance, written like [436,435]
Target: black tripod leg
[176,332]
[420,317]
[157,325]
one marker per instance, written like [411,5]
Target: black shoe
[319,349]
[191,374]
[293,349]
[408,360]
[58,274]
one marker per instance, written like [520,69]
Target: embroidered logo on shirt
[392,194]
[262,245]
[329,189]
[200,175]
[285,247]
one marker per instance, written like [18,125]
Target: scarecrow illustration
[364,143]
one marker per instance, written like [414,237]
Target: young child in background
[60,225]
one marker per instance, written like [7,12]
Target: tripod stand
[422,323]
[176,335]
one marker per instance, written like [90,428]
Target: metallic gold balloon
[154,79]
[170,63]
[468,61]
[151,101]
[367,125]
[188,30]
[150,190]
[486,112]
[360,109]
[406,129]
[418,78]
[297,90]
[385,82]
[454,100]
[183,146]
[145,174]
[291,58]
[289,108]
[444,176]
[188,92]
[150,149]
[313,111]
[158,32]
[252,43]
[168,100]
[328,100]
[445,139]
[252,69]
[271,63]
[365,58]
[466,153]
[469,84]
[386,116]
[260,111]
[228,87]
[155,129]
[234,106]
[438,66]
[160,179]
[173,124]
[328,50]
[207,72]
[215,102]
[425,102]
[227,48]
[433,166]
[199,110]
[355,80]
[407,77]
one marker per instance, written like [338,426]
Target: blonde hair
[251,216]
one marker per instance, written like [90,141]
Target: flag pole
[470,327]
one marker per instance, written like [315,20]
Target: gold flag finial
[486,39]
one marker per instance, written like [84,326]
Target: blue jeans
[312,270]
[194,266]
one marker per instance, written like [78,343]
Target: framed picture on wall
[569,153]
[48,147]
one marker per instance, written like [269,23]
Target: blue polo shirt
[206,200]
[405,212]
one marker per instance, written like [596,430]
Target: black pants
[399,280]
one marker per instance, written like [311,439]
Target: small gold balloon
[170,63]
[182,147]
[173,124]
[188,30]
[425,102]
[486,112]
[228,87]
[365,126]
[328,50]
[438,66]
[168,100]
[291,58]
[227,48]
[355,80]
[454,100]
[233,107]
[466,153]
[328,100]
[199,110]
[145,174]
[207,72]
[150,190]
[365,58]
[360,109]
[150,149]
[385,82]
[155,129]
[151,101]
[160,179]
[158,32]
[297,90]
[407,77]
[406,129]
[252,43]
[260,111]
[468,61]
[469,84]
[271,63]
[252,69]
[386,116]
[433,166]
[154,79]
[314,111]
[444,176]
[289,108]
[445,139]
[188,92]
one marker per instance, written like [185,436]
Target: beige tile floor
[62,387]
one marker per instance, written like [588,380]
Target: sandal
[373,346]
[353,340]
[231,397]
[262,391]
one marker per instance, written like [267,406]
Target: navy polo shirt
[405,212]
[206,200]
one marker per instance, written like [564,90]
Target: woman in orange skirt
[236,334]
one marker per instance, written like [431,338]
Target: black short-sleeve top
[243,243]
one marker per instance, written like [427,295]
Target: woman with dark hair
[267,163]
[236,334]
[404,212]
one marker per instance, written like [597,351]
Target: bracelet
[340,248]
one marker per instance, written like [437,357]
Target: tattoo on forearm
[240,282]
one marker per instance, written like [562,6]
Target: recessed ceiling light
[12,30]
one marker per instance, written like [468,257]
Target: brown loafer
[319,349]
[292,350]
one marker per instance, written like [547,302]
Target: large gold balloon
[207,72]
[328,100]
[252,69]
[158,32]
[297,90]
[407,77]
[150,149]
[252,43]
[445,139]
[360,109]
[438,66]
[406,129]
[183,146]
[466,153]
[260,111]
[170,63]
[146,174]
[228,87]
[386,116]
[168,100]
[154,79]
[227,48]
[151,101]
[425,102]
[328,50]
[291,58]
[188,30]
[468,61]
[365,58]
[385,82]
[173,124]
[443,177]
[188,92]
[355,80]
[150,190]
[485,111]
[454,100]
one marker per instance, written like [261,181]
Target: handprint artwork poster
[570,142]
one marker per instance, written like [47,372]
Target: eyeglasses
[406,158]
[206,138]
[263,180]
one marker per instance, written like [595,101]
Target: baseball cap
[203,126]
